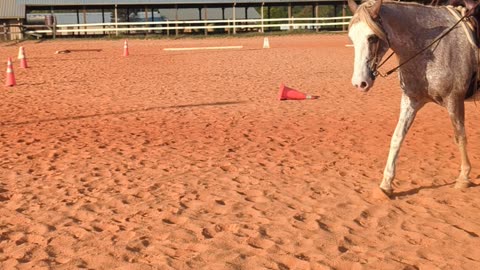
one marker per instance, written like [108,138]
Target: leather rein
[375,66]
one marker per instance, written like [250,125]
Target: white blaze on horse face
[359,33]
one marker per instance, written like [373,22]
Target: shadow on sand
[406,193]
[78,117]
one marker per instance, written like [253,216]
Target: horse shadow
[413,191]
[79,117]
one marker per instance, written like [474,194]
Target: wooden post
[103,19]
[116,20]
[246,18]
[78,21]
[199,16]
[234,17]
[85,19]
[335,9]
[206,18]
[317,28]
[313,14]
[54,28]
[261,13]
[344,13]
[153,19]
[146,19]
[176,19]
[128,20]
[21,23]
[54,21]
[290,16]
[223,18]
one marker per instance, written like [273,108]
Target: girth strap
[470,30]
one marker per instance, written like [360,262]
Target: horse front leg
[456,110]
[408,111]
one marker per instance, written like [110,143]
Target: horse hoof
[378,194]
[387,191]
[462,184]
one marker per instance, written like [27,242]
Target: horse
[437,64]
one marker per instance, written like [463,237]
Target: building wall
[10,29]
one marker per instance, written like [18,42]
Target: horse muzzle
[364,84]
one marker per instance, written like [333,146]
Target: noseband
[373,61]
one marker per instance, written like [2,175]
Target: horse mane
[362,14]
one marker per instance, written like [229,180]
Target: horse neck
[410,28]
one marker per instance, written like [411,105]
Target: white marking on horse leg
[456,111]
[463,179]
[408,111]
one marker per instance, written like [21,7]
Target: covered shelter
[29,15]
[12,16]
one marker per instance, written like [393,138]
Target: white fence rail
[238,24]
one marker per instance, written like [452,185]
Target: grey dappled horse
[445,73]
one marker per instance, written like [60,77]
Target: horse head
[369,41]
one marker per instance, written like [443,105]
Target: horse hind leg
[457,116]
[408,111]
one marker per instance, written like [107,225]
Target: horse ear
[375,9]
[352,5]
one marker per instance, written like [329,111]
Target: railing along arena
[313,23]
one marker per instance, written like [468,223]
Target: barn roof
[11,9]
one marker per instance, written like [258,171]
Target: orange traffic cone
[289,93]
[22,57]
[10,81]
[125,48]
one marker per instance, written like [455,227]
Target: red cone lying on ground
[287,93]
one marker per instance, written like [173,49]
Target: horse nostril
[363,85]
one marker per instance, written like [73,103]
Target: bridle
[373,62]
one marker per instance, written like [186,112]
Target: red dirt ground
[187,160]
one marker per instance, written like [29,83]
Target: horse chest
[413,86]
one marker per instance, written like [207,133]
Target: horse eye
[372,39]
